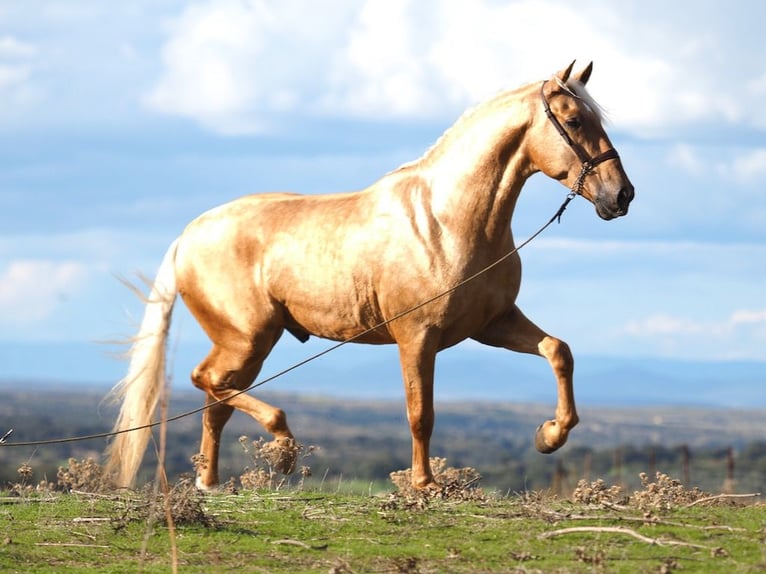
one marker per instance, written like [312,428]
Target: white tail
[140,389]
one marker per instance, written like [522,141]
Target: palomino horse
[340,266]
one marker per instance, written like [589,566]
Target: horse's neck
[478,169]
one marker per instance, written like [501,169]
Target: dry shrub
[185,503]
[454,483]
[83,476]
[183,500]
[598,493]
[266,458]
[25,484]
[664,494]
[25,473]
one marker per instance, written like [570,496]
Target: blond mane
[577,89]
[469,114]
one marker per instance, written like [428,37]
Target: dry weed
[183,501]
[598,493]
[267,457]
[84,476]
[537,503]
[25,484]
[25,472]
[454,484]
[664,494]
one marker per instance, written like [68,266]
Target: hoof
[281,454]
[204,487]
[431,487]
[540,443]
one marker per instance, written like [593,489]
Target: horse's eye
[573,123]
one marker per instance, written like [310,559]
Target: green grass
[313,531]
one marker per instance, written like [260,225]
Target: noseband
[588,163]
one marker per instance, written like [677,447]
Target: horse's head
[570,145]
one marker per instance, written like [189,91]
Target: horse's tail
[140,389]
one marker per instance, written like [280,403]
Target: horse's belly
[355,304]
[338,318]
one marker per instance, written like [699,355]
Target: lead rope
[556,217]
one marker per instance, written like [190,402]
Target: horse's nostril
[625,196]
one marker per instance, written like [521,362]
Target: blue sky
[121,122]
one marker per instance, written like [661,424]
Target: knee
[277,421]
[421,424]
[198,378]
[558,354]
[210,381]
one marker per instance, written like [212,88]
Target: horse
[358,265]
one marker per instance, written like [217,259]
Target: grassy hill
[663,528]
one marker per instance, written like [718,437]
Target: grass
[662,528]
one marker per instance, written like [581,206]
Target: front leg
[515,332]
[417,361]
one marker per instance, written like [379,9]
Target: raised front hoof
[281,454]
[540,443]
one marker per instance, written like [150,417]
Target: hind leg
[214,417]
[222,375]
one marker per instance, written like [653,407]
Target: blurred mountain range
[467,372]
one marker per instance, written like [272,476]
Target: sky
[121,122]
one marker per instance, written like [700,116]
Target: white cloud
[662,324]
[15,67]
[687,300]
[30,290]
[686,157]
[11,76]
[740,335]
[232,64]
[751,166]
[748,317]
[11,47]
[728,256]
[235,66]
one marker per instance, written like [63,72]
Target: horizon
[466,373]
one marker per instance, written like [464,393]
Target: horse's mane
[577,89]
[467,115]
[574,87]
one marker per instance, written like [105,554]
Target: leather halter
[588,163]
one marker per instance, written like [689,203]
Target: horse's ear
[563,75]
[584,74]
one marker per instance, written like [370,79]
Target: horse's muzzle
[618,206]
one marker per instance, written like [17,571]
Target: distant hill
[367,439]
[469,371]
